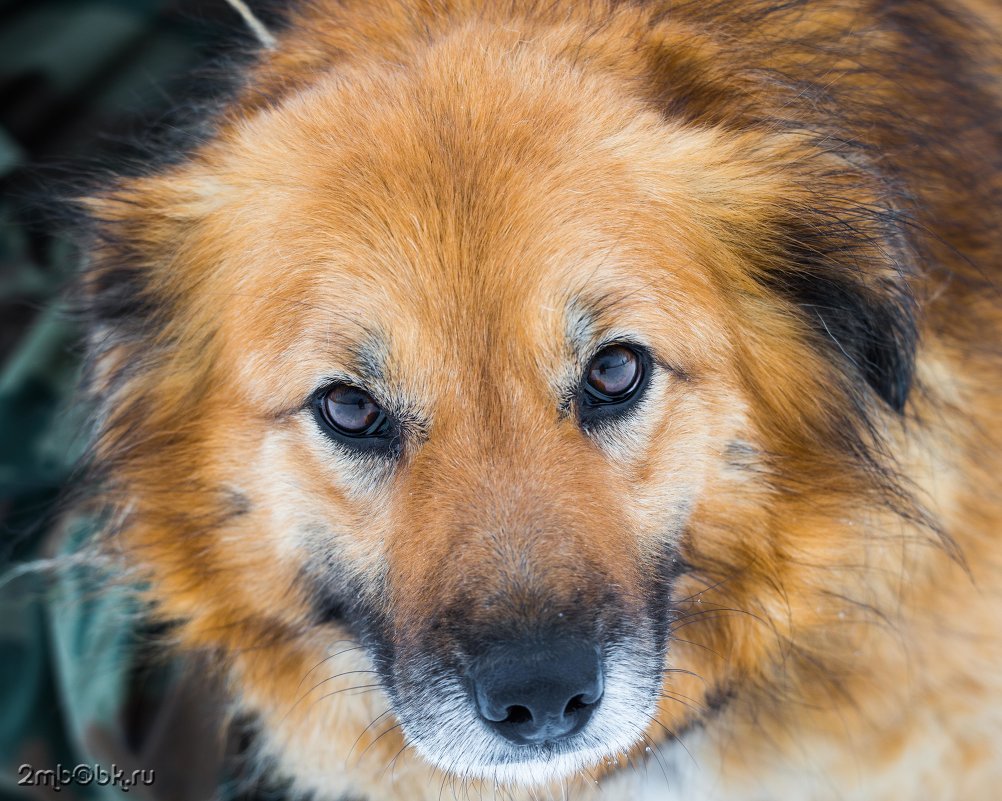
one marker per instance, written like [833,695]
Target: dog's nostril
[517,714]
[576,703]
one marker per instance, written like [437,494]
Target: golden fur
[796,206]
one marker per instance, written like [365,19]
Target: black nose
[538,692]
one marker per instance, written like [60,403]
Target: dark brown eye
[615,378]
[352,412]
[614,374]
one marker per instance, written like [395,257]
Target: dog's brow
[369,358]
[589,315]
[360,360]
[580,325]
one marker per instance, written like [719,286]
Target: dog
[576,399]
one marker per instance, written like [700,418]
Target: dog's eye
[614,379]
[352,411]
[613,374]
[352,417]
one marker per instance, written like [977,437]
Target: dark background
[88,89]
[85,87]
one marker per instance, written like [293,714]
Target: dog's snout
[540,691]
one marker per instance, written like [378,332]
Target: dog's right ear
[135,293]
[118,272]
[129,286]
[118,293]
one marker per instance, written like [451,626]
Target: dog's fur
[793,546]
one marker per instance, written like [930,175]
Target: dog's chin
[523,766]
[541,768]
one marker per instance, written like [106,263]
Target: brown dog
[595,398]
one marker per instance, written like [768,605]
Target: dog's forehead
[384,319]
[427,328]
[420,293]
[438,225]
[370,245]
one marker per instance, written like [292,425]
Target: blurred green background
[85,87]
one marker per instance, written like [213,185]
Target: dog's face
[491,379]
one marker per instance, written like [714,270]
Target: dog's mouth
[525,694]
[529,712]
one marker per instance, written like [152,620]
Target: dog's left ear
[841,254]
[850,282]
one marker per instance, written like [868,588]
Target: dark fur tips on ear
[872,331]
[118,295]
